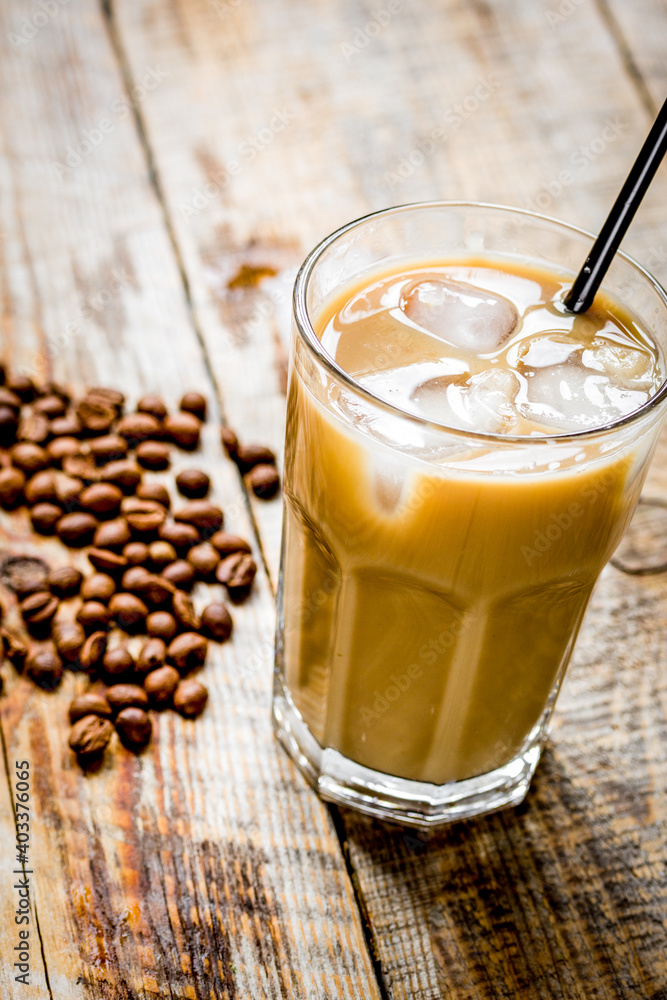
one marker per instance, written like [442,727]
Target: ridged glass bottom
[338,779]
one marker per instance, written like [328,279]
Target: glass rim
[314,344]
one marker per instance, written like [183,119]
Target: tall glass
[433,580]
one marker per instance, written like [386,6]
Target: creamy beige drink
[432,591]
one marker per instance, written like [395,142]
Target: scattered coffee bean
[216,622]
[250,455]
[94,616]
[35,428]
[151,656]
[229,441]
[123,473]
[152,589]
[190,698]
[160,685]
[107,561]
[50,406]
[68,490]
[136,553]
[201,514]
[12,482]
[45,517]
[143,516]
[89,703]
[90,736]
[23,386]
[98,587]
[122,696]
[44,667]
[237,573]
[41,488]
[226,543]
[15,650]
[153,405]
[68,426]
[156,492]
[69,637]
[160,554]
[138,427]
[82,467]
[64,582]
[129,611]
[264,481]
[183,429]
[184,611]
[118,663]
[76,529]
[10,399]
[162,625]
[132,577]
[134,728]
[113,534]
[194,402]
[102,499]
[180,573]
[187,651]
[92,651]
[181,536]
[24,574]
[108,448]
[112,397]
[205,560]
[96,415]
[153,455]
[29,458]
[38,610]
[193,483]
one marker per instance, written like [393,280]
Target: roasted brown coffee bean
[44,667]
[250,455]
[107,561]
[96,415]
[101,499]
[151,656]
[61,447]
[160,554]
[143,516]
[132,577]
[112,534]
[129,611]
[92,651]
[89,703]
[90,736]
[183,429]
[108,448]
[50,406]
[153,589]
[181,536]
[24,574]
[35,428]
[38,610]
[76,529]
[45,517]
[190,698]
[124,473]
[153,454]
[12,482]
[216,622]
[69,637]
[194,402]
[184,611]
[160,685]
[134,728]
[29,458]
[23,386]
[67,426]
[187,651]
[136,553]
[41,488]
[15,650]
[118,663]
[193,483]
[162,625]
[205,560]
[68,490]
[180,573]
[153,405]
[98,587]
[122,696]
[112,397]
[9,399]
[237,573]
[226,543]
[137,427]
[82,467]
[229,441]
[156,492]
[201,514]
[264,481]
[9,423]
[94,616]
[64,582]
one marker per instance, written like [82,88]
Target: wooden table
[150,154]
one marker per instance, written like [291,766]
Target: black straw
[587,282]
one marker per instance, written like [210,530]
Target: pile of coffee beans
[79,467]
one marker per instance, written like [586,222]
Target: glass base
[338,779]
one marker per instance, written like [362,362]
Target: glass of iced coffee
[462,457]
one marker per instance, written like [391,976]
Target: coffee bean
[153,405]
[156,492]
[194,402]
[45,517]
[250,455]
[35,428]
[89,703]
[205,560]
[38,610]
[190,698]
[24,574]
[69,637]
[162,625]
[193,483]
[68,490]
[92,651]
[160,685]
[94,616]
[118,663]
[15,650]
[122,696]
[29,458]
[226,543]
[143,516]
[216,622]
[44,667]
[180,573]
[50,406]
[264,481]
[67,426]
[129,611]
[76,529]
[237,573]
[112,397]
[9,423]
[201,514]
[187,651]
[98,587]
[151,656]
[61,447]
[181,536]
[64,582]
[12,482]
[82,467]
[96,415]
[23,386]
[113,534]
[138,427]
[90,736]
[229,441]
[10,399]
[160,554]
[108,448]
[132,577]
[134,728]
[124,473]
[152,589]
[184,611]
[136,553]
[153,454]
[101,499]
[107,561]
[183,429]
[41,488]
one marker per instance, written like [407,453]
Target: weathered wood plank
[565,898]
[201,868]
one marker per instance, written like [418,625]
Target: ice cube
[484,402]
[461,314]
[543,351]
[625,364]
